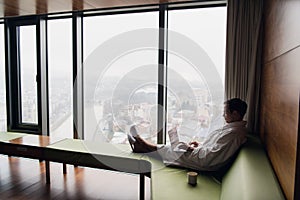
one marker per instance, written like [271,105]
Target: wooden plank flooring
[22,178]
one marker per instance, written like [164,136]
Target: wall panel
[282,27]
[280,89]
[279,115]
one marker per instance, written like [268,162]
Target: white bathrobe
[213,153]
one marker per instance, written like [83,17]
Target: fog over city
[126,91]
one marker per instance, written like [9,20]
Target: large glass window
[23,69]
[2,81]
[28,72]
[120,76]
[196,79]
[60,76]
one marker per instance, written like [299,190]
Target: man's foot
[140,146]
[137,144]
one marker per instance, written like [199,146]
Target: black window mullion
[162,72]
[10,47]
[38,75]
[77,75]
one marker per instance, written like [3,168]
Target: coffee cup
[192,178]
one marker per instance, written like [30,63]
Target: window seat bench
[249,177]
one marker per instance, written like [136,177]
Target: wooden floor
[22,178]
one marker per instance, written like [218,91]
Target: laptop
[176,145]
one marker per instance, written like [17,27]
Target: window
[119,84]
[24,77]
[60,77]
[28,72]
[122,90]
[195,80]
[2,81]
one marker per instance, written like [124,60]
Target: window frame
[77,70]
[13,76]
[13,68]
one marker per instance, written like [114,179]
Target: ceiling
[9,8]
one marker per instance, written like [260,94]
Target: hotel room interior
[85,69]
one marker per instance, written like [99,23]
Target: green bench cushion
[6,136]
[83,146]
[251,176]
[97,155]
[170,183]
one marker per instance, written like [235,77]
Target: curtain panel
[243,55]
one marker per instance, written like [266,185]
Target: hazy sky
[206,26]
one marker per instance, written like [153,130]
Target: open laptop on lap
[176,145]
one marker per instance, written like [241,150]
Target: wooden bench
[75,152]
[249,177]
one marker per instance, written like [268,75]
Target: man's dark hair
[238,105]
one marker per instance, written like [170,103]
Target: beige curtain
[243,55]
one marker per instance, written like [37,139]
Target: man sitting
[211,154]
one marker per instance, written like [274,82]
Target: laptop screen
[174,140]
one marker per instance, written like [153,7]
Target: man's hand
[192,145]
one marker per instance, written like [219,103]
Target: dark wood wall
[280,88]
